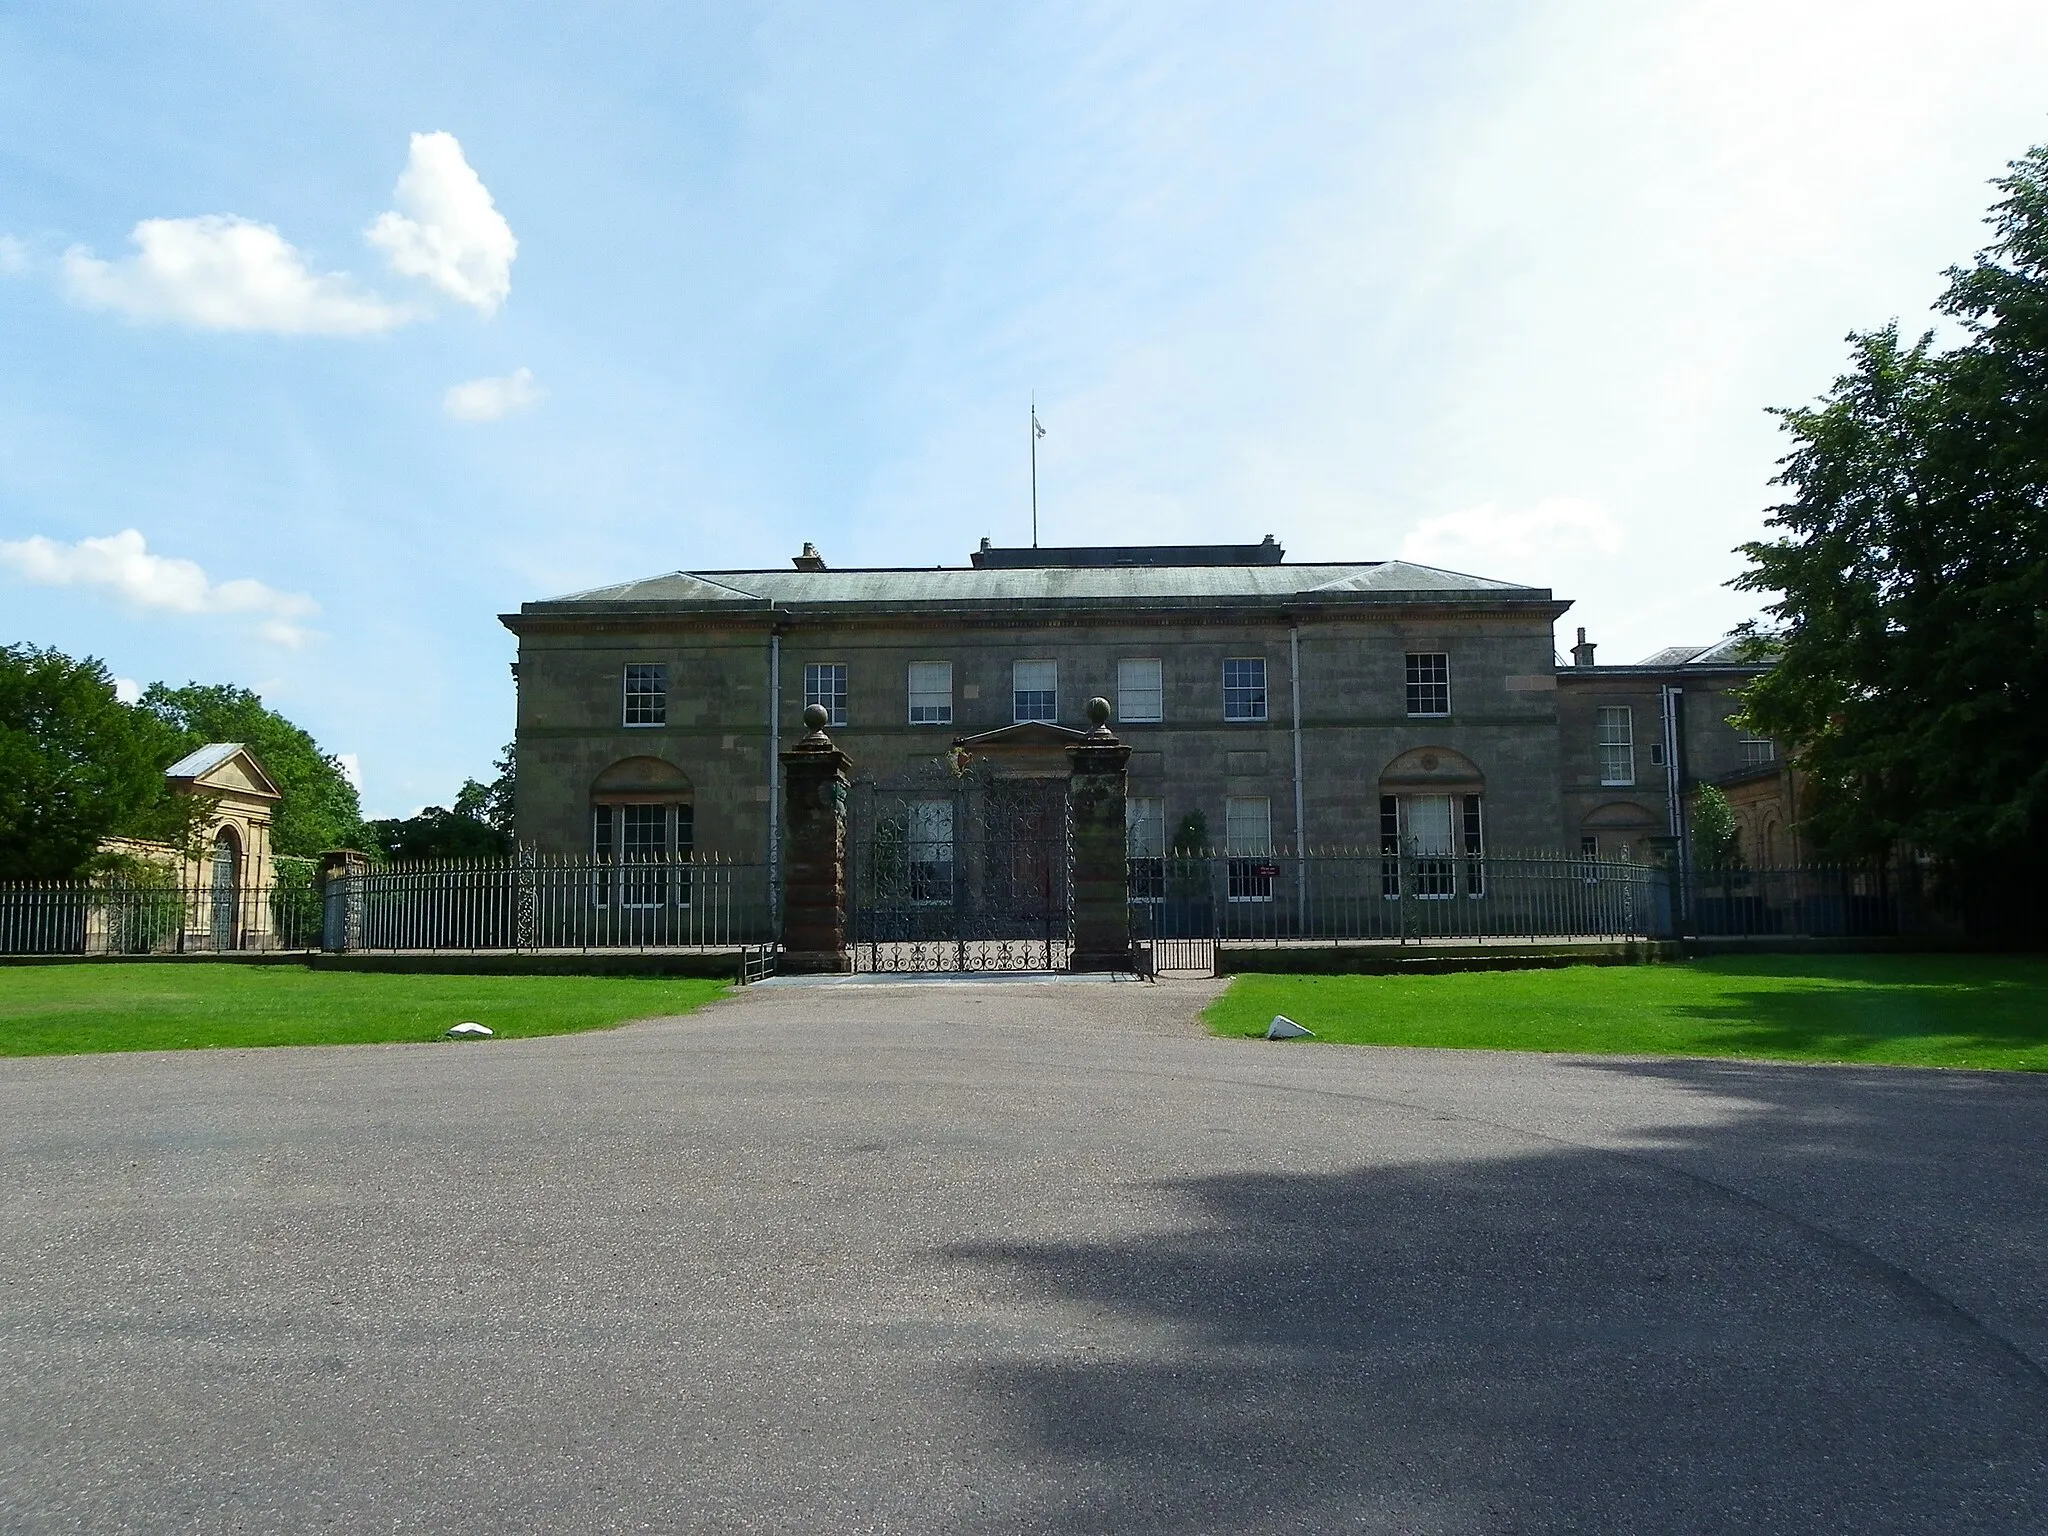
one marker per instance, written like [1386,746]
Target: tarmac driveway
[1014,1257]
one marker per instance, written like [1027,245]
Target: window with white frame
[825,684]
[931,693]
[1617,744]
[1429,683]
[1244,688]
[1248,844]
[930,850]
[1034,690]
[1421,840]
[643,849]
[646,693]
[1140,691]
[1758,750]
[1145,846]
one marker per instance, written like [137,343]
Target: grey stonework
[1521,730]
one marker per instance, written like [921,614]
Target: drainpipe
[1300,831]
[1674,803]
[774,770]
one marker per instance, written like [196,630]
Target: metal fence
[1349,895]
[171,916]
[1827,901]
[668,902]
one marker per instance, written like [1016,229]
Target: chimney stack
[1582,653]
[811,560]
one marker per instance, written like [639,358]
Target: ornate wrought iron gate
[960,873]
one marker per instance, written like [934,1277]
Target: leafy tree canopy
[436,833]
[480,825]
[1716,841]
[319,809]
[491,803]
[76,766]
[1911,569]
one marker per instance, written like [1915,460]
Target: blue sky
[1501,287]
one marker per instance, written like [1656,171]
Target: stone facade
[1511,752]
[1619,795]
[231,854]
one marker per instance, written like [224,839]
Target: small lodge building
[224,882]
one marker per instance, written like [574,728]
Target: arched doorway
[226,891]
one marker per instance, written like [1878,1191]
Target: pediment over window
[1622,816]
[1432,768]
[642,778]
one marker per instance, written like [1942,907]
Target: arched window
[1613,830]
[1432,825]
[643,824]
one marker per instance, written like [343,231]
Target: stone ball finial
[1098,713]
[816,716]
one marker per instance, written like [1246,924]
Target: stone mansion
[1275,705]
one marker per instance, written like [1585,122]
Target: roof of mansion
[1119,581]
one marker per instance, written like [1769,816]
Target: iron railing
[1350,895]
[667,902]
[1819,901]
[174,915]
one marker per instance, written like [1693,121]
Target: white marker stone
[469,1031]
[1284,1028]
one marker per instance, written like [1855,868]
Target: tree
[492,803]
[77,766]
[1910,576]
[1716,843]
[437,833]
[319,809]
[480,825]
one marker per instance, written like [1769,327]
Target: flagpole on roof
[1036,433]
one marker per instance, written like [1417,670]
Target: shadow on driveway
[1733,1329]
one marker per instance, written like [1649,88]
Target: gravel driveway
[1014,1257]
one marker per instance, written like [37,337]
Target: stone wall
[1354,719]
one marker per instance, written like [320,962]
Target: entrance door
[226,903]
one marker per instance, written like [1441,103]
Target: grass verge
[1901,1010]
[65,1009]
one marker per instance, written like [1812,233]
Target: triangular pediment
[1027,733]
[223,768]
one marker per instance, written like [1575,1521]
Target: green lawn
[1905,1010]
[60,1009]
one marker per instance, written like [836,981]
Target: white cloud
[223,273]
[127,690]
[13,256]
[351,769]
[489,399]
[1491,540]
[446,228]
[122,563]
